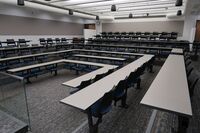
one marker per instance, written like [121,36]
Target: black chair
[134,78]
[22,43]
[102,107]
[120,93]
[50,41]
[11,43]
[57,40]
[63,40]
[109,72]
[98,77]
[82,85]
[42,41]
[192,86]
[188,72]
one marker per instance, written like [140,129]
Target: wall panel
[159,26]
[13,25]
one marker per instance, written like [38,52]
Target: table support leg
[92,128]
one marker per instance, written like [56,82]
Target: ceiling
[139,8]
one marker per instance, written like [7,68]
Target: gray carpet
[48,115]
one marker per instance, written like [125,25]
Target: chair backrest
[192,87]
[121,87]
[189,71]
[109,72]
[84,84]
[21,41]
[131,77]
[57,40]
[11,42]
[49,40]
[42,41]
[63,40]
[98,77]
[106,100]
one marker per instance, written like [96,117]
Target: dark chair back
[63,40]
[11,42]
[42,41]
[109,72]
[192,87]
[57,40]
[120,88]
[84,84]
[22,42]
[49,41]
[103,105]
[190,71]
[98,77]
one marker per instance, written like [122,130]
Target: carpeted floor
[48,115]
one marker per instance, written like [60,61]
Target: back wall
[157,26]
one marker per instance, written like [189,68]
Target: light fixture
[130,15]
[113,8]
[179,13]
[71,12]
[97,17]
[179,3]
[20,2]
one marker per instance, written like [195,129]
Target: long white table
[169,91]
[84,98]
[35,55]
[55,62]
[77,81]
[99,57]
[111,52]
[177,51]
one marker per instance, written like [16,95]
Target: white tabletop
[177,51]
[84,98]
[63,51]
[77,81]
[169,91]
[99,57]
[34,55]
[111,52]
[55,62]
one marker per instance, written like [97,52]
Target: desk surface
[169,91]
[99,57]
[34,55]
[111,52]
[77,81]
[55,62]
[177,51]
[84,98]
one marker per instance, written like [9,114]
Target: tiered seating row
[139,35]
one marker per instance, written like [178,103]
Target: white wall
[192,14]
[89,33]
[42,13]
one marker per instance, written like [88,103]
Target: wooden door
[197,34]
